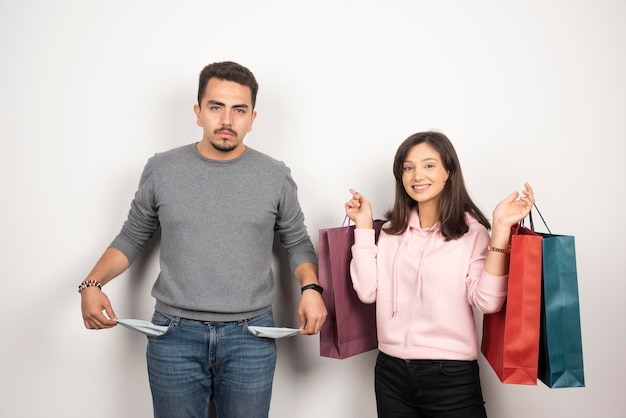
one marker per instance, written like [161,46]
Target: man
[218,204]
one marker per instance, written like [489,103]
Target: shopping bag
[560,348]
[510,340]
[350,326]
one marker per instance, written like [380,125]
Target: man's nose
[225,119]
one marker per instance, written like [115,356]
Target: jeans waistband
[199,321]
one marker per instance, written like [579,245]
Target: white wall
[528,91]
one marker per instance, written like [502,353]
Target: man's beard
[223,146]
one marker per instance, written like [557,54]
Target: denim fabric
[194,362]
[427,388]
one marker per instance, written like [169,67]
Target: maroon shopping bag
[510,341]
[350,326]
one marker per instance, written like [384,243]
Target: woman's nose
[417,173]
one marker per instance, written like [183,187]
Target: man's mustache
[217,131]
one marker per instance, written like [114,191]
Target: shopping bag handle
[346,218]
[530,217]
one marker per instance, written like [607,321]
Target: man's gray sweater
[218,220]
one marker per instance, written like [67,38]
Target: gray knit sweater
[218,220]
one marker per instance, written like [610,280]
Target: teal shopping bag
[560,345]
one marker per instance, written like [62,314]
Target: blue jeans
[195,361]
[427,388]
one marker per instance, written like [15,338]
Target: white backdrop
[527,91]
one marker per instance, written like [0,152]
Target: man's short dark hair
[229,71]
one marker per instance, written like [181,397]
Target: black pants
[428,388]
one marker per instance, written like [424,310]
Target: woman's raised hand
[513,208]
[359,210]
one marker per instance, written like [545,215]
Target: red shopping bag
[510,341]
[350,326]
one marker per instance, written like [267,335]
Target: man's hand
[312,312]
[93,303]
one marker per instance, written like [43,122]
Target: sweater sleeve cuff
[124,245]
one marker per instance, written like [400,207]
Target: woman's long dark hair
[454,200]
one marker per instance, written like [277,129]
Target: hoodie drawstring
[432,233]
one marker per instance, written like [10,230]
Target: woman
[434,261]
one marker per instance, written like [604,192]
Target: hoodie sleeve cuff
[496,285]
[364,237]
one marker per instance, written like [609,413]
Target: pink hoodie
[424,288]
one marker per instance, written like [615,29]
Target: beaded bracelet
[499,250]
[312,286]
[89,283]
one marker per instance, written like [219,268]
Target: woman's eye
[407,168]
